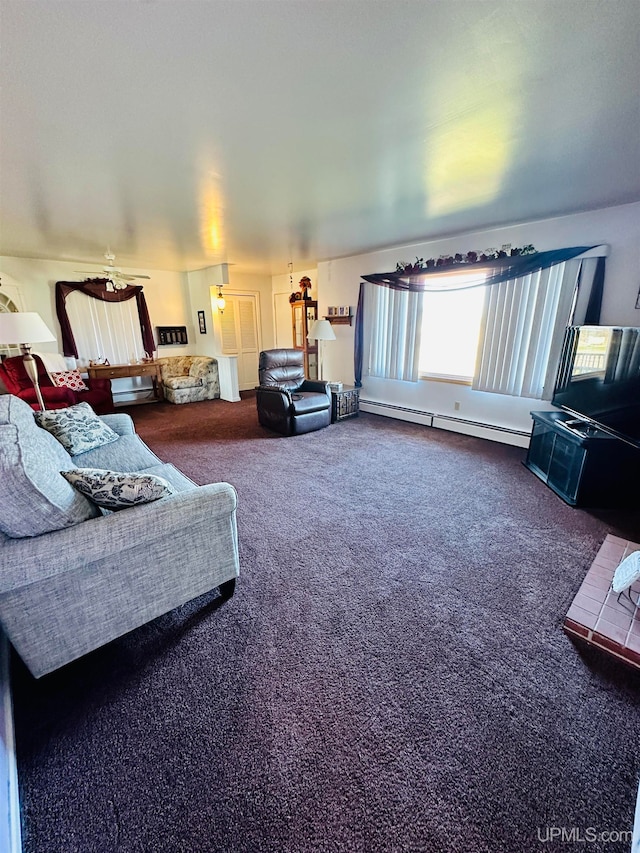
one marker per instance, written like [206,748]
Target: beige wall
[282,288]
[165,293]
[339,283]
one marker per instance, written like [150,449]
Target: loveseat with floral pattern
[189,378]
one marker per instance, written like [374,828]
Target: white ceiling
[185,134]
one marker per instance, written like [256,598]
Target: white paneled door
[240,336]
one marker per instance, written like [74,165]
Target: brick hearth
[596,616]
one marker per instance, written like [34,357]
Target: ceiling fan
[116,279]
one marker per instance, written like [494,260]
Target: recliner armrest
[97,384]
[313,385]
[50,394]
[275,389]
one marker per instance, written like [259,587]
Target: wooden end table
[345,403]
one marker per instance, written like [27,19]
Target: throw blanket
[56,363]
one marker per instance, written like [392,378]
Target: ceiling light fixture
[220,300]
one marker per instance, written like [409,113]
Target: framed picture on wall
[202,323]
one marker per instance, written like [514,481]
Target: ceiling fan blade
[109,274]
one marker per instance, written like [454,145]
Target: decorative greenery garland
[470,258]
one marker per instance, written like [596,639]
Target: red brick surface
[597,615]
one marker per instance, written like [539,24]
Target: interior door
[239,335]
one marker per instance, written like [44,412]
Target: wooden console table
[126,371]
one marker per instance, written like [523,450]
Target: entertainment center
[588,451]
[584,465]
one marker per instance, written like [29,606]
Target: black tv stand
[584,465]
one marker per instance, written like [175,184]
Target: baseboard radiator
[505,435]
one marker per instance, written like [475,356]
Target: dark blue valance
[495,271]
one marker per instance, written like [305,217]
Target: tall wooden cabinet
[304,313]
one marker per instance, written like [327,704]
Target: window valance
[96,289]
[489,272]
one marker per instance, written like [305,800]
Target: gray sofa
[73,579]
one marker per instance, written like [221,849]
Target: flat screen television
[599,379]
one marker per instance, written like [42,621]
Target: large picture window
[503,327]
[451,322]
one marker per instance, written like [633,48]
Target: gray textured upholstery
[34,498]
[70,590]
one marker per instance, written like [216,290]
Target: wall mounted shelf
[337,320]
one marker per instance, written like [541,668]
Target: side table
[345,403]
[125,371]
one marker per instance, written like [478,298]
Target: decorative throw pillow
[69,379]
[77,428]
[115,490]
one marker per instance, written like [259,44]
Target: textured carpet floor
[391,674]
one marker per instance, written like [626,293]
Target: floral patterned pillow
[77,428]
[69,379]
[115,490]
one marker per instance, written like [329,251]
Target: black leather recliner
[287,402]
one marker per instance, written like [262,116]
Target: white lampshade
[322,330]
[25,327]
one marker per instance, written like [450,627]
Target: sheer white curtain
[522,331]
[105,329]
[392,337]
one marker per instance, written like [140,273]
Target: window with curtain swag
[105,329]
[109,324]
[530,299]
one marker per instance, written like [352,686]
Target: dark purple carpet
[391,674]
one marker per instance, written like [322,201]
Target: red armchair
[17,382]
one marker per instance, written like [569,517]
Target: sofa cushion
[129,453]
[77,428]
[177,382]
[309,401]
[169,472]
[204,367]
[116,490]
[34,498]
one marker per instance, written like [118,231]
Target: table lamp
[322,331]
[19,327]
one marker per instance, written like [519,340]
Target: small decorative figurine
[305,286]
